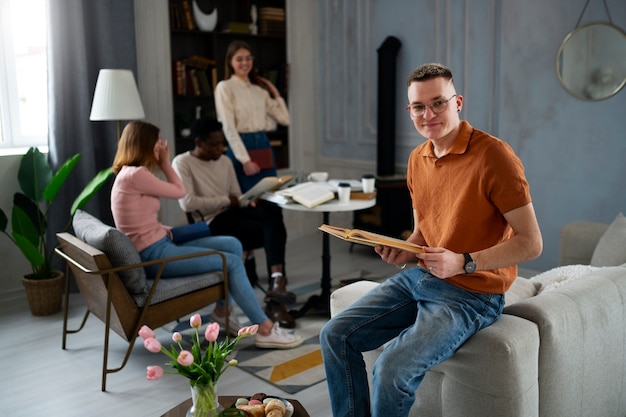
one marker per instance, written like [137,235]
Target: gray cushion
[115,244]
[611,249]
[521,289]
[175,287]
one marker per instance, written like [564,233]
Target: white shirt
[243,107]
[208,185]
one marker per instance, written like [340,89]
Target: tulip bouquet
[199,368]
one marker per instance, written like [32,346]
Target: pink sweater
[135,203]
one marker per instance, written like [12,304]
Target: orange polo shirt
[460,199]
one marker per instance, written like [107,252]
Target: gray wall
[503,56]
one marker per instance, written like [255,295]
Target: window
[23,74]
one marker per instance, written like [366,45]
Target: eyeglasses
[244,58]
[436,107]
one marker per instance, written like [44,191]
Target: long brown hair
[232,49]
[136,146]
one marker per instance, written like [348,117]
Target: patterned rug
[291,370]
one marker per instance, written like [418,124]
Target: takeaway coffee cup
[343,192]
[367,182]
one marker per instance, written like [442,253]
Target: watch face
[470,267]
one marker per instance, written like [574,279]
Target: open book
[266,184]
[309,194]
[370,239]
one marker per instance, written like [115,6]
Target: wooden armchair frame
[109,300]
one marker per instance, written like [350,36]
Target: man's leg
[446,317]
[377,317]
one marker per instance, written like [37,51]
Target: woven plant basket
[44,295]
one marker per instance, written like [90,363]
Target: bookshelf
[198,58]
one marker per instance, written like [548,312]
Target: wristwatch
[470,265]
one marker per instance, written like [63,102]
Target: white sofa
[557,353]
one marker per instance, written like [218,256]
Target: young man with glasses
[474,216]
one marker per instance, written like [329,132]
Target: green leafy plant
[29,215]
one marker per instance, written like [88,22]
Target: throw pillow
[611,248]
[521,289]
[561,275]
[115,244]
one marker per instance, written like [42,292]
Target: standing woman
[248,105]
[135,206]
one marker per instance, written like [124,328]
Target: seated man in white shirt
[212,195]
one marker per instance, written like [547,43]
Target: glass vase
[205,404]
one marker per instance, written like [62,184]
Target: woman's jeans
[238,284]
[431,320]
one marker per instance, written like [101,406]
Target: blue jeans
[238,284]
[252,140]
[429,319]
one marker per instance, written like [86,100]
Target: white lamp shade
[116,96]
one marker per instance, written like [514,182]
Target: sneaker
[277,339]
[233,323]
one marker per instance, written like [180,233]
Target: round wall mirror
[591,62]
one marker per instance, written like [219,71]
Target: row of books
[272,21]
[195,76]
[181,15]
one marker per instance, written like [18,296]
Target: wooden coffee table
[227,401]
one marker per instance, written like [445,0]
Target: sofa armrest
[578,240]
[493,374]
[582,354]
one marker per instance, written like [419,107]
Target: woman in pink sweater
[135,204]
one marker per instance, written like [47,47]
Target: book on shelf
[190,22]
[309,194]
[199,61]
[362,237]
[236,27]
[205,84]
[181,81]
[195,76]
[264,185]
[193,86]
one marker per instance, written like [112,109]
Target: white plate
[289,406]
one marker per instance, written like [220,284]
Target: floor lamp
[116,97]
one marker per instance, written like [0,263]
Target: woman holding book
[248,105]
[135,204]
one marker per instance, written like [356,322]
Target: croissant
[275,408]
[256,410]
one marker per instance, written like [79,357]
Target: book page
[370,239]
[266,184]
[313,195]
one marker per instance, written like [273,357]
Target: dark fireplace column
[386,139]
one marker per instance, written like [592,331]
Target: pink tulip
[177,337]
[185,358]
[152,345]
[154,373]
[195,321]
[145,332]
[248,330]
[211,332]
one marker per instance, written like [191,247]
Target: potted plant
[29,222]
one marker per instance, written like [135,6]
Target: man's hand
[442,262]
[394,256]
